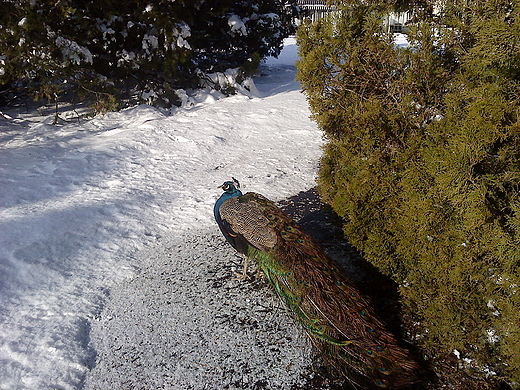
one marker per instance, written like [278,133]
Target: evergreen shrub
[148,49]
[423,163]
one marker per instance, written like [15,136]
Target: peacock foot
[242,275]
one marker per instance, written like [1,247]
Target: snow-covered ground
[112,271]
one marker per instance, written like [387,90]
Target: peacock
[336,316]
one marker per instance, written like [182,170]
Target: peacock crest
[336,316]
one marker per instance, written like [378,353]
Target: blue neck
[225,196]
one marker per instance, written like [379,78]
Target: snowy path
[88,208]
[184,323]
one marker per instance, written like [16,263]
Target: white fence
[317,9]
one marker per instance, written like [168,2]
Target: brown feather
[339,319]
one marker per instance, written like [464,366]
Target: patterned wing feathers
[248,220]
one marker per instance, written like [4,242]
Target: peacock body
[337,317]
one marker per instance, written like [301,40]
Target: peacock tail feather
[337,317]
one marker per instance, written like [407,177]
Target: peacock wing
[245,216]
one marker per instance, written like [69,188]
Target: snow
[73,52]
[401,40]
[237,25]
[150,41]
[112,271]
[182,31]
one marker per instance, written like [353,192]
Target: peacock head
[231,186]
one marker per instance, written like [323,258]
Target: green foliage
[423,163]
[134,48]
[104,103]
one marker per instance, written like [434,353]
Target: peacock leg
[243,275]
